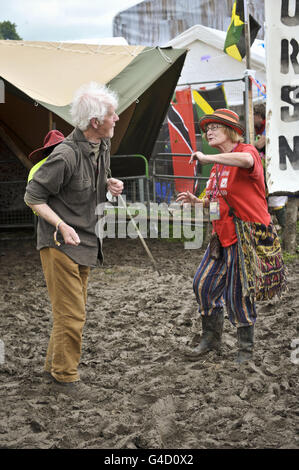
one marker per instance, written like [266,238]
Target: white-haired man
[65,192]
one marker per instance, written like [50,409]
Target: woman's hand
[187,197]
[115,186]
[201,157]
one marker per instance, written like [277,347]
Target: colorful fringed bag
[262,269]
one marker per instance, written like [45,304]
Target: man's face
[258,120]
[106,129]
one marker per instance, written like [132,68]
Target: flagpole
[248,83]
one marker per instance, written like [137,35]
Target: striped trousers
[217,284]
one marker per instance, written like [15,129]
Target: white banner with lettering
[282,131]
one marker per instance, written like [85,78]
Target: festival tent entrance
[37,83]
[40,78]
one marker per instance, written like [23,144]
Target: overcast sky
[62,20]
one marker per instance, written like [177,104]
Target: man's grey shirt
[72,182]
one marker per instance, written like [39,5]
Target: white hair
[92,100]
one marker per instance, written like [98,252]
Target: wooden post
[15,149]
[249,118]
[290,230]
[50,120]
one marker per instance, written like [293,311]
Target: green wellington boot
[212,328]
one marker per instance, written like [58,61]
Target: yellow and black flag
[235,42]
[205,102]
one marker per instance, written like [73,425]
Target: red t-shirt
[244,189]
[260,130]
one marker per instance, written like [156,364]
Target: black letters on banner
[285,18]
[284,60]
[286,151]
[286,92]
[289,94]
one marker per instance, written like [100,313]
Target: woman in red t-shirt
[236,180]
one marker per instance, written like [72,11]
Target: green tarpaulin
[40,79]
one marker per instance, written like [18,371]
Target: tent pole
[13,147]
[50,120]
[246,103]
[248,83]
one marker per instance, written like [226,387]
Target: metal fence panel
[13,211]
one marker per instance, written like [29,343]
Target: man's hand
[115,186]
[70,236]
[260,142]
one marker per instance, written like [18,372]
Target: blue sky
[62,20]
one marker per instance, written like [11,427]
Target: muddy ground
[143,392]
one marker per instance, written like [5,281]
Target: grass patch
[290,258]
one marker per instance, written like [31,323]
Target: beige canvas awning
[40,79]
[51,71]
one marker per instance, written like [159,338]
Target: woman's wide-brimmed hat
[52,139]
[223,116]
